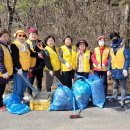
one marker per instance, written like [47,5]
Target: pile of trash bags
[14,106]
[82,91]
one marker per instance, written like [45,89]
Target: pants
[103,76]
[19,85]
[49,79]
[2,89]
[67,78]
[123,88]
[39,75]
[83,74]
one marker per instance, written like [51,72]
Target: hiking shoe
[3,108]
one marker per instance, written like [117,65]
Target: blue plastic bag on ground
[18,109]
[97,89]
[82,92]
[62,99]
[14,106]
[11,99]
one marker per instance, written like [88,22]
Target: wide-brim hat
[82,41]
[20,31]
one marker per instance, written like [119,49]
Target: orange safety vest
[100,59]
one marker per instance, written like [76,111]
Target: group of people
[28,57]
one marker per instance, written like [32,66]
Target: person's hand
[20,71]
[40,55]
[39,45]
[91,72]
[125,72]
[99,66]
[103,65]
[108,75]
[5,75]
[68,66]
[51,73]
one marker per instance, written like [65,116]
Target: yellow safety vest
[69,57]
[7,61]
[117,60]
[32,59]
[86,61]
[104,57]
[24,55]
[55,62]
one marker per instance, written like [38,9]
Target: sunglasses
[22,35]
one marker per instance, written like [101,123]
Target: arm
[126,54]
[15,56]
[2,66]
[90,61]
[47,60]
[93,58]
[61,56]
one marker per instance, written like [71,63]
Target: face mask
[101,43]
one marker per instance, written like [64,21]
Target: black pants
[67,78]
[83,74]
[49,79]
[39,75]
[2,89]
[103,75]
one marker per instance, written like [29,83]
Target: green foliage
[2,8]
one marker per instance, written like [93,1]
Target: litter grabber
[75,116]
[30,85]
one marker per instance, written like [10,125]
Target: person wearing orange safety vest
[6,65]
[83,59]
[21,62]
[67,55]
[100,58]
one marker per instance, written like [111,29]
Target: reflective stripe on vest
[24,55]
[117,60]
[86,61]
[69,57]
[55,62]
[32,59]
[100,59]
[7,61]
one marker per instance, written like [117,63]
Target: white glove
[108,73]
[125,72]
[5,75]
[103,65]
[99,66]
[67,65]
[20,72]
[51,73]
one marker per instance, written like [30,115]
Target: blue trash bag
[82,92]
[97,89]
[62,99]
[14,106]
[18,109]
[11,99]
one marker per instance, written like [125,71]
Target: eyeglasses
[21,35]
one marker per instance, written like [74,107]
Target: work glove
[68,66]
[51,73]
[5,75]
[103,65]
[20,71]
[125,72]
[99,66]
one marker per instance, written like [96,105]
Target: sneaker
[123,105]
[3,108]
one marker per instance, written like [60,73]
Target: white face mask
[101,43]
